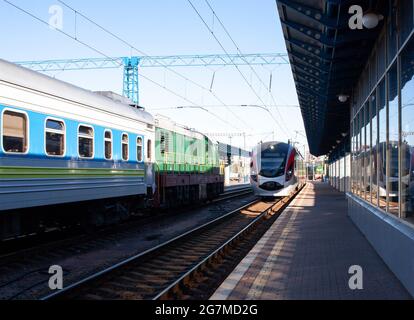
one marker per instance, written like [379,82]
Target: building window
[55,138]
[361,142]
[367,152]
[125,147]
[406,20]
[381,56]
[382,146]
[373,71]
[15,132]
[353,189]
[374,148]
[392,36]
[85,142]
[407,134]
[108,145]
[358,154]
[392,150]
[139,149]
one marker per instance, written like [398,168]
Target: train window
[55,138]
[15,132]
[125,145]
[108,145]
[139,149]
[85,142]
[163,144]
[149,149]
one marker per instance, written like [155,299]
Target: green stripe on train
[25,172]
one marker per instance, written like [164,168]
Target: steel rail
[215,252]
[95,276]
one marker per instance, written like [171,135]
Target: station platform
[307,254]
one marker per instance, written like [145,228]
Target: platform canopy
[327,58]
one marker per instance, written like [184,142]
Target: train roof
[268,143]
[168,124]
[23,77]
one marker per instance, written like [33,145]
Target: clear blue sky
[167,27]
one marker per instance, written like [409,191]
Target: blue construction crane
[132,65]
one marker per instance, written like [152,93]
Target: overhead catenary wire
[62,32]
[241,56]
[188,100]
[159,108]
[112,59]
[235,65]
[128,44]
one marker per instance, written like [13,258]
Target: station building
[353,65]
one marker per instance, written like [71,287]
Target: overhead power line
[158,62]
[188,100]
[241,55]
[238,69]
[61,31]
[159,108]
[106,56]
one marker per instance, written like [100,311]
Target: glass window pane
[149,149]
[374,137]
[86,131]
[382,132]
[108,145]
[361,151]
[352,156]
[381,56]
[406,20]
[392,150]
[367,151]
[85,142]
[359,155]
[373,71]
[392,37]
[407,156]
[85,147]
[125,147]
[55,144]
[55,125]
[14,132]
[139,149]
[108,150]
[55,138]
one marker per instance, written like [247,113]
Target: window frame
[142,149]
[149,150]
[122,145]
[27,131]
[112,144]
[46,130]
[93,141]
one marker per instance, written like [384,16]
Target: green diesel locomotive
[187,165]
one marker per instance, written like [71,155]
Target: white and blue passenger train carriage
[62,144]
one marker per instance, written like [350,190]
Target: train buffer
[312,251]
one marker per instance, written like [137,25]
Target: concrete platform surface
[307,254]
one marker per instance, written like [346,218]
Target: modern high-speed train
[72,155]
[277,169]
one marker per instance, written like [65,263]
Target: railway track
[24,244]
[24,272]
[190,266]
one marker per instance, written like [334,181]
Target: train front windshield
[273,160]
